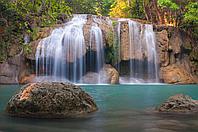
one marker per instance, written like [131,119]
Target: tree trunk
[145,10]
[158,13]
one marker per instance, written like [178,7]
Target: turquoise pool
[121,108]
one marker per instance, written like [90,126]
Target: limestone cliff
[177,56]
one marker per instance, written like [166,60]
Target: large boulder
[111,74]
[179,103]
[107,75]
[50,100]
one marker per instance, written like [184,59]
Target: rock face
[111,74]
[50,100]
[162,43]
[179,103]
[174,74]
[124,41]
[178,64]
[11,69]
[103,23]
[108,75]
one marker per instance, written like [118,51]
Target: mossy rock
[50,100]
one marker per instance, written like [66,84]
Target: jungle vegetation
[20,17]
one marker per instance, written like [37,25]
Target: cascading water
[97,39]
[61,54]
[65,55]
[150,41]
[143,66]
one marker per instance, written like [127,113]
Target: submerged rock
[179,103]
[50,100]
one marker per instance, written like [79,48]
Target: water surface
[121,108]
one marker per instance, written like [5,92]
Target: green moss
[187,45]
[110,38]
[194,55]
[111,51]
[27,49]
[34,34]
[114,23]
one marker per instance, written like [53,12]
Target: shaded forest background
[19,18]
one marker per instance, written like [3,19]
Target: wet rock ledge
[179,103]
[50,100]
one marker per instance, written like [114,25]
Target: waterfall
[118,39]
[61,54]
[75,51]
[142,54]
[150,41]
[97,39]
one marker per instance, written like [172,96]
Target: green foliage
[114,23]
[120,8]
[83,6]
[192,13]
[106,6]
[190,19]
[137,9]
[111,55]
[42,13]
[168,3]
[110,38]
[129,9]
[18,17]
[27,49]
[34,33]
[10,29]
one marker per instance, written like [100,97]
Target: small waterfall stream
[143,65]
[97,39]
[61,54]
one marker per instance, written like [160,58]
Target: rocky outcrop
[162,42]
[111,75]
[174,74]
[104,24]
[179,103]
[28,78]
[108,75]
[124,41]
[174,47]
[11,69]
[50,100]
[33,45]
